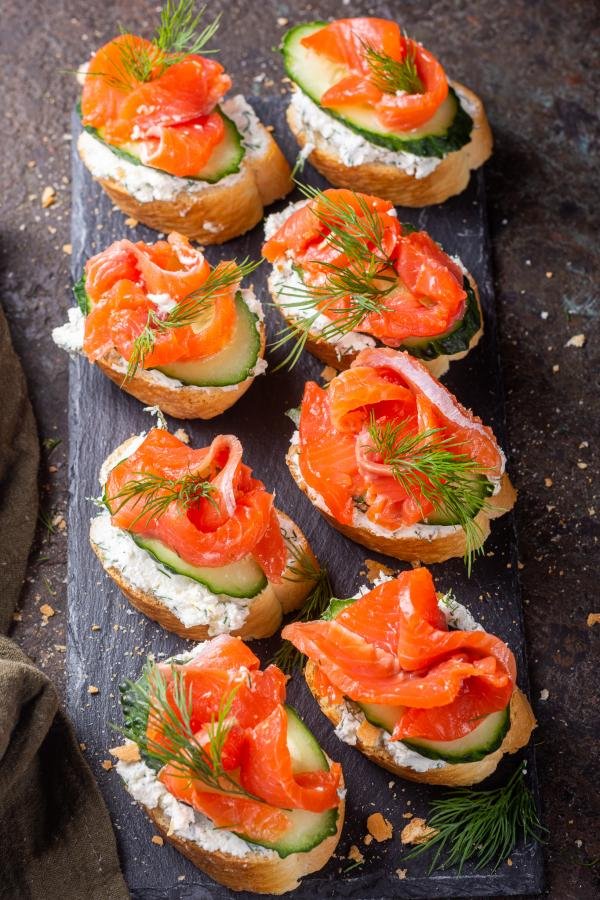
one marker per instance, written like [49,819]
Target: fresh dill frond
[480,824]
[391,75]
[303,568]
[437,468]
[193,310]
[147,700]
[348,293]
[154,494]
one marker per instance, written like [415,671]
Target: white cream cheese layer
[457,616]
[185,822]
[330,135]
[69,337]
[147,184]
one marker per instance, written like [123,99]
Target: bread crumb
[131,222]
[156,839]
[17,617]
[593,619]
[48,197]
[82,746]
[408,815]
[93,689]
[368,734]
[67,248]
[548,482]
[581,465]
[182,435]
[106,765]
[375,570]
[380,828]
[544,694]
[368,839]
[129,752]
[417,832]
[509,861]
[47,610]
[401,873]
[355,854]
[556,368]
[577,340]
[328,373]
[96,627]
[282,21]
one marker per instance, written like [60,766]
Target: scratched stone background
[533,63]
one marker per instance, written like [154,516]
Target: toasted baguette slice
[218,212]
[522,723]
[417,543]
[185,401]
[341,357]
[266,610]
[255,871]
[390,182]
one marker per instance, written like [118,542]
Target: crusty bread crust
[253,872]
[522,723]
[185,402]
[450,178]
[339,358]
[266,610]
[449,543]
[227,209]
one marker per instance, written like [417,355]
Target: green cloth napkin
[56,839]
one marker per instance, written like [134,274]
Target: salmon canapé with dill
[195,541]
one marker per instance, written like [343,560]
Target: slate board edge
[443,885]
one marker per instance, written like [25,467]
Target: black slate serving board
[101,416]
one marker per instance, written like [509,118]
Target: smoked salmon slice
[393,646]
[171,113]
[348,43]
[130,283]
[261,782]
[229,523]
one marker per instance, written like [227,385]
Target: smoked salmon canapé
[168,328]
[163,142]
[373,110]
[347,275]
[391,458]
[408,677]
[227,771]
[195,542]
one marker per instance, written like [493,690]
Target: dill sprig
[438,469]
[147,700]
[303,568]
[348,294]
[193,310]
[483,824]
[155,494]
[391,75]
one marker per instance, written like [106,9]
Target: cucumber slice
[484,739]
[336,606]
[456,339]
[448,130]
[244,578]
[381,715]
[307,829]
[444,518]
[225,159]
[232,364]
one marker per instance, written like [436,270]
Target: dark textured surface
[532,62]
[259,420]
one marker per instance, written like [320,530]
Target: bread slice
[340,356]
[390,182]
[266,610]
[262,873]
[182,401]
[522,723]
[217,212]
[416,543]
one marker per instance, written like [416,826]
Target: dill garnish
[156,493]
[391,75]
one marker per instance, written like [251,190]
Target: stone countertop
[532,62]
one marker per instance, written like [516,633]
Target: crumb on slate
[380,828]
[417,832]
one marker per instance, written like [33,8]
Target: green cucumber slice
[307,829]
[484,739]
[226,158]
[381,715]
[448,130]
[244,578]
[336,606]
[456,339]
[442,517]
[231,365]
